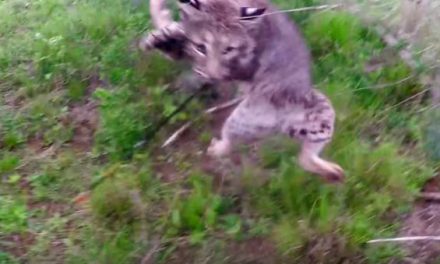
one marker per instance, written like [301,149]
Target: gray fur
[268,58]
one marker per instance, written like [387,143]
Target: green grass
[57,55]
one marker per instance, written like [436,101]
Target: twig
[405,239]
[176,134]
[382,114]
[46,153]
[431,107]
[386,85]
[301,9]
[149,257]
[406,100]
[154,128]
[211,110]
[307,8]
[223,106]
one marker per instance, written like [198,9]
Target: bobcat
[250,43]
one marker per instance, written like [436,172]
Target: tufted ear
[251,13]
[193,3]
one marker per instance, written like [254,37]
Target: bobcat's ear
[251,13]
[193,3]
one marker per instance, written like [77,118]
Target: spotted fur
[248,42]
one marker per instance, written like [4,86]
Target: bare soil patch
[424,220]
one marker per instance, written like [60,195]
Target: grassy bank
[78,105]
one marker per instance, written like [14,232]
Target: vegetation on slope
[79,101]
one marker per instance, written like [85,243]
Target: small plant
[111,201]
[115,199]
[115,247]
[11,131]
[13,215]
[8,162]
[5,258]
[123,122]
[201,211]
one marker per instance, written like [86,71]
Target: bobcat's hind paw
[219,148]
[335,175]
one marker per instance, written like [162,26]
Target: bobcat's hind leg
[246,124]
[309,159]
[313,126]
[220,147]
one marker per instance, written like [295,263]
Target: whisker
[301,9]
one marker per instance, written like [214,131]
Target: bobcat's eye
[251,13]
[228,50]
[193,3]
[200,48]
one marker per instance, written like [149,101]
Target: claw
[335,175]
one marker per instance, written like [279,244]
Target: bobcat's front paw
[170,40]
[219,148]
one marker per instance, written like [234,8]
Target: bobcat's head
[223,36]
